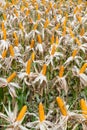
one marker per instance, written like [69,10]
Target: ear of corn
[39,39]
[83,107]
[11,77]
[83,68]
[3,26]
[61,106]
[28,66]
[22,113]
[4,34]
[52,39]
[33,56]
[44,69]
[32,43]
[11,50]
[53,50]
[46,23]
[61,72]
[77,41]
[4,53]
[41,112]
[74,53]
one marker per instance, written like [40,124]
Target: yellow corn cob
[52,39]
[61,72]
[16,42]
[16,38]
[77,41]
[4,34]
[82,31]
[71,33]
[4,16]
[75,10]
[22,8]
[61,106]
[32,43]
[44,69]
[38,16]
[11,77]
[22,113]
[28,66]
[64,30]
[16,13]
[11,50]
[39,39]
[50,4]
[79,18]
[15,35]
[33,56]
[74,53]
[35,27]
[21,26]
[47,11]
[83,68]
[43,2]
[53,50]
[55,19]
[83,107]
[57,26]
[27,12]
[4,53]
[41,112]
[46,23]
[57,40]
[36,6]
[3,27]
[26,4]
[13,2]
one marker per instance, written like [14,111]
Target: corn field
[43,65]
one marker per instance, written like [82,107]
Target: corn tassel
[22,113]
[61,106]
[11,77]
[41,112]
